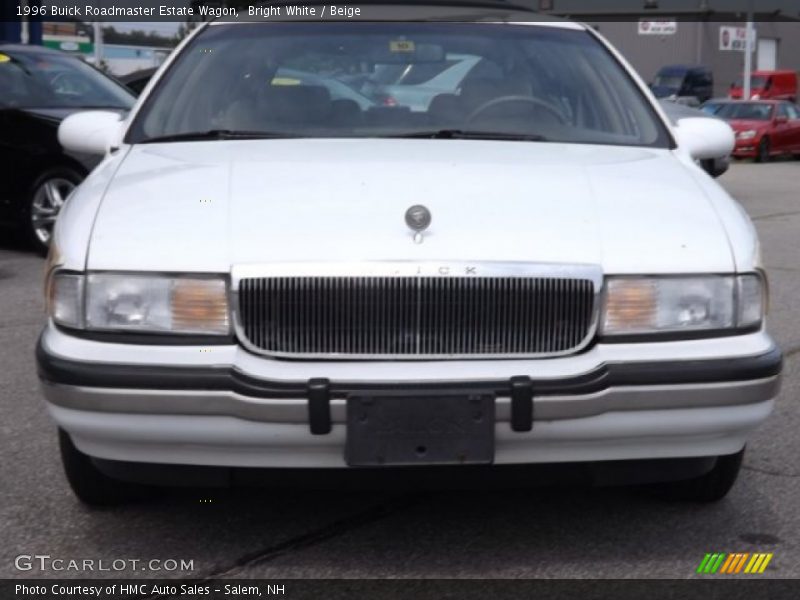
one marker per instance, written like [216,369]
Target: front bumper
[202,411]
[746,148]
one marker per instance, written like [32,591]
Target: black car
[38,89]
[137,80]
[684,81]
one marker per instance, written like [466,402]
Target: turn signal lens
[752,305]
[200,305]
[65,299]
[631,304]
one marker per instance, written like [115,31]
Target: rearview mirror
[90,132]
[705,138]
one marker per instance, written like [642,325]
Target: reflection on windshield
[756,82]
[392,79]
[673,82]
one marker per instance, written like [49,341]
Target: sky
[164,29]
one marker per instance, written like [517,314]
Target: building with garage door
[711,44]
[655,33]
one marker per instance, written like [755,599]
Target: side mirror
[781,119]
[90,132]
[705,138]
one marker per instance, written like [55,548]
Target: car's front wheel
[44,203]
[92,486]
[711,487]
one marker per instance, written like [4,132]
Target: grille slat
[409,317]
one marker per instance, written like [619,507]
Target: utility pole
[98,43]
[748,52]
[24,25]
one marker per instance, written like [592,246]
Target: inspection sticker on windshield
[401,46]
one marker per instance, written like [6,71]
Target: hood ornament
[418,219]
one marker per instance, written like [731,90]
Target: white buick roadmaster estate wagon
[279,264]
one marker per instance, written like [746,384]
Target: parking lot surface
[522,532]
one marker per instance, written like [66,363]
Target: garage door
[767,54]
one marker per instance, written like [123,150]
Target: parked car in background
[345,97]
[764,129]
[38,89]
[711,107]
[337,88]
[137,80]
[676,111]
[684,81]
[415,85]
[774,85]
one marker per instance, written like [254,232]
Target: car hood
[206,206]
[745,124]
[56,115]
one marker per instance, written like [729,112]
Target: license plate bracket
[385,430]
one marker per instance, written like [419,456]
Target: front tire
[90,485]
[711,487]
[764,150]
[44,203]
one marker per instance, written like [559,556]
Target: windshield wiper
[218,134]
[460,134]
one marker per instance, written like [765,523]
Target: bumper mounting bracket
[319,406]
[521,404]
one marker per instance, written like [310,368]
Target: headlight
[140,303]
[746,135]
[675,305]
[65,299]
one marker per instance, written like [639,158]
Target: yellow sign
[401,46]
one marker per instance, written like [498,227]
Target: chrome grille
[414,317]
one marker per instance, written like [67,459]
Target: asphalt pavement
[508,532]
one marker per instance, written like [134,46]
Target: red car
[764,128]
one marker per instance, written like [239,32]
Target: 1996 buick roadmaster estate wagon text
[368,245]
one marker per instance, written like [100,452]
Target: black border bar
[707,587]
[155,11]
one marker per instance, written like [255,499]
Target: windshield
[397,79]
[671,82]
[751,111]
[45,80]
[757,82]
[712,108]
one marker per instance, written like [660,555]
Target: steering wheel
[535,102]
